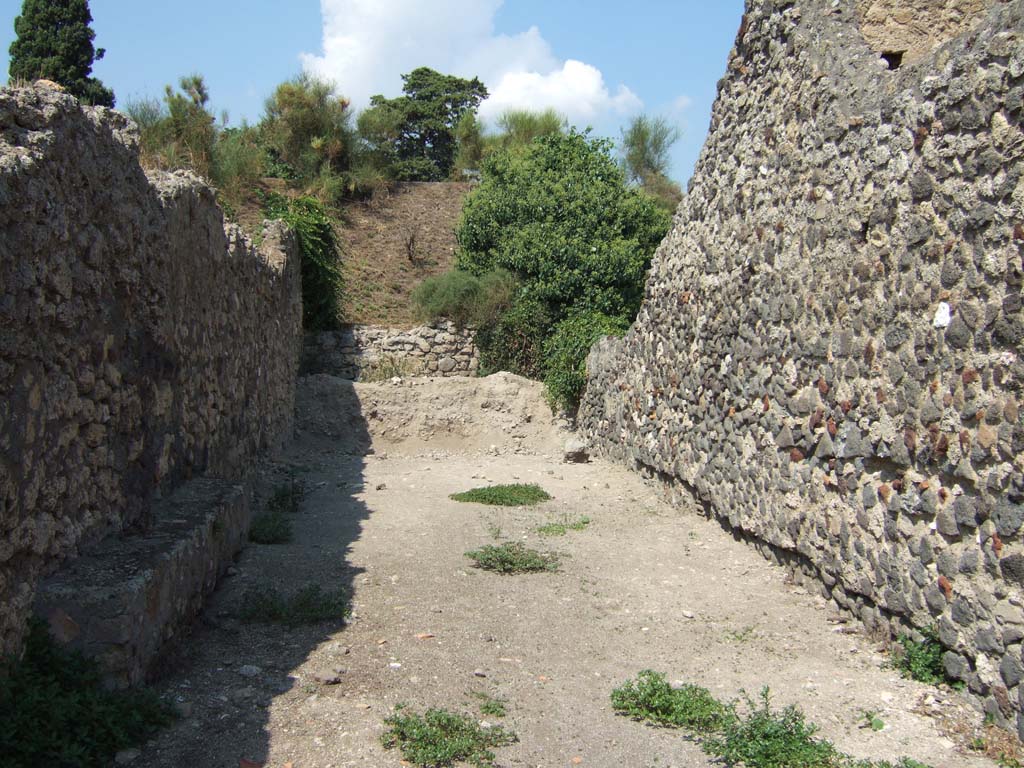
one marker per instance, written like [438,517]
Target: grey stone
[576,451]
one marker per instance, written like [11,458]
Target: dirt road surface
[645,585]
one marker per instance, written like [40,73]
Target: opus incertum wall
[829,354]
[141,341]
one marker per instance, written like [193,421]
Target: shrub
[54,709]
[321,268]
[307,128]
[238,161]
[921,660]
[518,128]
[516,495]
[464,298]
[441,738]
[560,217]
[514,340]
[513,558]
[565,355]
[271,527]
[770,739]
[650,698]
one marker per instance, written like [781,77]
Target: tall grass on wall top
[321,257]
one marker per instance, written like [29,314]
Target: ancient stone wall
[912,29]
[141,341]
[369,352]
[829,354]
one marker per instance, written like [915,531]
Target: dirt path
[645,585]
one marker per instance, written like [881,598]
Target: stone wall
[369,352]
[829,354]
[914,28]
[141,341]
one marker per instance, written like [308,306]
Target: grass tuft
[650,698]
[309,605]
[517,495]
[563,526]
[55,710]
[441,738]
[491,705]
[513,558]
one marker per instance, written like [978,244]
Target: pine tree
[55,42]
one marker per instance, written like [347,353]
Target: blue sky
[598,61]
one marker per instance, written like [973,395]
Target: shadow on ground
[225,675]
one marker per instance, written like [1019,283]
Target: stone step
[122,600]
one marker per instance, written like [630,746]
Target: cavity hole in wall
[893,59]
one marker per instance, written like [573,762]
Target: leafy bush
[516,495]
[464,298]
[513,558]
[441,738]
[770,739]
[321,268]
[650,698]
[565,355]
[560,217]
[54,709]
[921,660]
[514,340]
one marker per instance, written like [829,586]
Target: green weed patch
[442,738]
[513,558]
[515,495]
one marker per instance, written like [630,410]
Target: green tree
[646,144]
[54,41]
[416,133]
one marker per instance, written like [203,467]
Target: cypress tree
[55,42]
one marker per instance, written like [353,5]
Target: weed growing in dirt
[270,527]
[513,558]
[273,525]
[491,705]
[872,721]
[517,495]
[765,738]
[921,660]
[563,526]
[650,698]
[441,738]
[54,709]
[309,605]
[755,736]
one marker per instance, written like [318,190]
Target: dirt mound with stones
[499,414]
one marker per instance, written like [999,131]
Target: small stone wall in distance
[368,352]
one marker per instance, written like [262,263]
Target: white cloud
[368,44]
[680,105]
